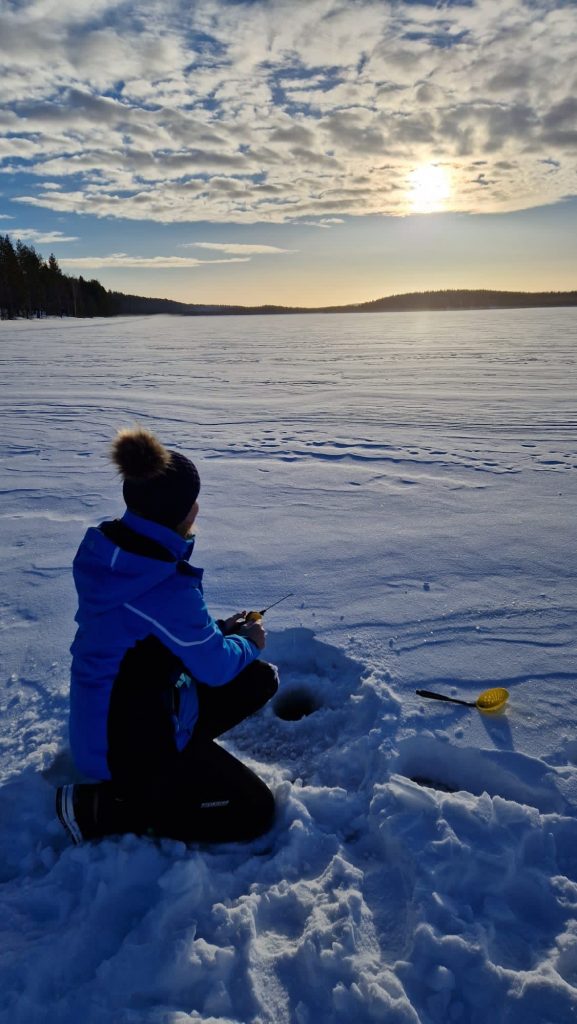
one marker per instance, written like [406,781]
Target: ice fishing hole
[295,704]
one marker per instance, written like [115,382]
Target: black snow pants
[212,796]
[201,793]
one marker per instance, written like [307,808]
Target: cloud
[239,248]
[42,237]
[326,222]
[245,112]
[121,261]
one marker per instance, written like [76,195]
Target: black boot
[93,810]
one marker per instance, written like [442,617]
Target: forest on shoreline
[34,288]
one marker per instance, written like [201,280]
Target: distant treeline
[31,287]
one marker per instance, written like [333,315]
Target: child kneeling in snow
[154,677]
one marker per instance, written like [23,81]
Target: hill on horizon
[441,299]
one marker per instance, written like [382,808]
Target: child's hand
[254,631]
[233,624]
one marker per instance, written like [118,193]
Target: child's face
[185,527]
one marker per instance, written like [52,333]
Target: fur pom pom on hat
[159,484]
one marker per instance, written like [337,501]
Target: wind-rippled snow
[412,477]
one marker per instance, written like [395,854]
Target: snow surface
[413,479]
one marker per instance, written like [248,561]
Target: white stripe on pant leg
[68,813]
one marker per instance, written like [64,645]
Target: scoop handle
[441,696]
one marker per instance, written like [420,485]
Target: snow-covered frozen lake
[413,478]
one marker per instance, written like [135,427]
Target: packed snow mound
[412,479]
[372,895]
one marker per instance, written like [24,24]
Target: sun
[429,188]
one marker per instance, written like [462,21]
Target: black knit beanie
[159,484]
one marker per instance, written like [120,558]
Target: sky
[304,152]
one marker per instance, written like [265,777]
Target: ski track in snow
[412,478]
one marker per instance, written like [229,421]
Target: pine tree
[11,290]
[30,264]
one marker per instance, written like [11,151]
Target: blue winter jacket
[124,598]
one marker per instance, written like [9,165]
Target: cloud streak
[237,113]
[41,237]
[121,261]
[240,248]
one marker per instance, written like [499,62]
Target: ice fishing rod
[488,700]
[257,616]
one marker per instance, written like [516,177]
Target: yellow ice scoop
[488,700]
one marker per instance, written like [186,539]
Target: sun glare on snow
[429,188]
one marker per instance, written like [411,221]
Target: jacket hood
[106,577]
